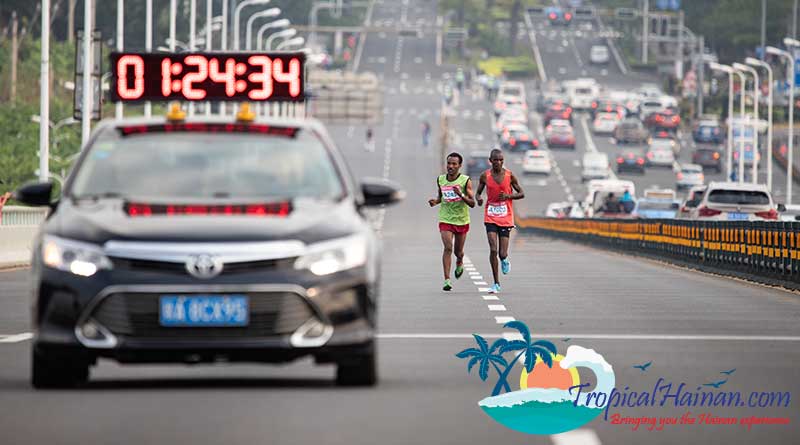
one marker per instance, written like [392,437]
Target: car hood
[104,220]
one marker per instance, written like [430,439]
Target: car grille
[180,268]
[137,315]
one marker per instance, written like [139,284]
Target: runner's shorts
[445,227]
[499,230]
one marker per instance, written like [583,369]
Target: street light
[297,41]
[740,174]
[751,70]
[727,69]
[285,34]
[755,62]
[271,12]
[236,13]
[790,156]
[280,23]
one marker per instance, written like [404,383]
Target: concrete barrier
[15,245]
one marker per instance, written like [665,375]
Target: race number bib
[449,194]
[498,210]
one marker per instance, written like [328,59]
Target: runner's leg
[461,239]
[493,254]
[447,242]
[504,262]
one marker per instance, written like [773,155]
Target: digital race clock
[207,76]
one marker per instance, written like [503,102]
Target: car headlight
[333,256]
[76,257]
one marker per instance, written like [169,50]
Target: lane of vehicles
[194,239]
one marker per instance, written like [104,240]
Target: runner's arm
[438,200]
[481,186]
[517,188]
[467,197]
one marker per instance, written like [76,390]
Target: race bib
[449,194]
[497,209]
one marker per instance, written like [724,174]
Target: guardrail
[767,252]
[22,216]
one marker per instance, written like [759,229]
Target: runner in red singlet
[499,212]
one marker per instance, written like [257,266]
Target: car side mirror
[378,191]
[36,194]
[781,208]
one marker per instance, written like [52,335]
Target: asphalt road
[689,325]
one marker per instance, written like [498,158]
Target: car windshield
[691,170]
[201,165]
[583,91]
[743,197]
[511,91]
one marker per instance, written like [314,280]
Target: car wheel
[47,372]
[361,370]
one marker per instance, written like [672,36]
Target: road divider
[765,252]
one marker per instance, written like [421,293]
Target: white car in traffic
[537,162]
[605,123]
[734,201]
[598,54]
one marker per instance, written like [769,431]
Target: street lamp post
[755,62]
[790,156]
[280,23]
[236,13]
[741,125]
[120,36]
[297,41]
[285,34]
[729,160]
[751,70]
[271,12]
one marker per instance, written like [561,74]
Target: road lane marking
[576,437]
[483,289]
[16,338]
[503,320]
[481,283]
[490,297]
[497,308]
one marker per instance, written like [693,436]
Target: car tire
[48,372]
[360,370]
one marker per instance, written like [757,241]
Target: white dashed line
[481,283]
[490,297]
[497,308]
[16,338]
[503,320]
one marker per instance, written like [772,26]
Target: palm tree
[542,349]
[486,355]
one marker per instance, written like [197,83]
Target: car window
[656,205]
[202,165]
[743,197]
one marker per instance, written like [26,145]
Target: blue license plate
[203,310]
[737,216]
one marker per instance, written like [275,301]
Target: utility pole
[679,56]
[764,27]
[701,68]
[12,95]
[794,20]
[645,29]
[44,95]
[71,20]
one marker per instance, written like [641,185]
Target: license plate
[738,216]
[203,310]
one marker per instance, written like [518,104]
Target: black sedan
[631,161]
[202,241]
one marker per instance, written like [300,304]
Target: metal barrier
[768,252]
[22,216]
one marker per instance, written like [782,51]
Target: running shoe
[459,270]
[447,286]
[494,289]
[505,265]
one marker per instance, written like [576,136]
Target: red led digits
[263,77]
[166,77]
[292,77]
[201,75]
[123,90]
[228,77]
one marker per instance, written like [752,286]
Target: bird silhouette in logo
[728,372]
[716,384]
[643,367]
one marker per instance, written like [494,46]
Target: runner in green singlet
[455,197]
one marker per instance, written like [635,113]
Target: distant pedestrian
[369,145]
[426,134]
